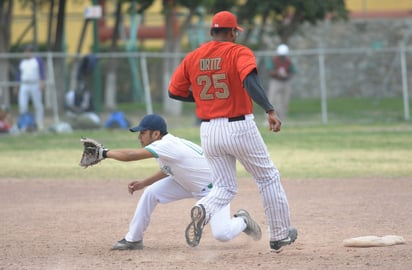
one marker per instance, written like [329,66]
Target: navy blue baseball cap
[28,47]
[151,122]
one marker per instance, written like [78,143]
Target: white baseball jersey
[183,160]
[29,70]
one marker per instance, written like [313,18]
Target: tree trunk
[6,8]
[50,25]
[110,95]
[173,46]
[59,62]
[170,106]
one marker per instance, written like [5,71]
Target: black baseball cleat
[126,245]
[194,230]
[278,245]
[252,228]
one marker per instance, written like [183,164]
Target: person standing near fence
[31,75]
[282,70]
[221,78]
[80,107]
[5,120]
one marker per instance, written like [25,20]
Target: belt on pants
[230,119]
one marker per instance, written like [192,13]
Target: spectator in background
[31,75]
[281,72]
[80,109]
[5,120]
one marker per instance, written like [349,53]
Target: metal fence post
[52,86]
[323,91]
[404,82]
[146,83]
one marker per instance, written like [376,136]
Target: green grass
[369,139]
[381,151]
[348,110]
[342,110]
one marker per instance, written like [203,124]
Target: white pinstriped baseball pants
[225,142]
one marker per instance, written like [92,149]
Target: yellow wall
[378,5]
[75,10]
[73,23]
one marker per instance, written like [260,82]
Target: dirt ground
[73,225]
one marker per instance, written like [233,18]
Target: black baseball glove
[92,152]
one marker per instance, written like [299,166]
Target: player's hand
[135,185]
[274,121]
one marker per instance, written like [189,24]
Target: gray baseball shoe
[126,245]
[278,245]
[194,230]
[252,228]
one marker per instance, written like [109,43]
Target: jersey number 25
[216,82]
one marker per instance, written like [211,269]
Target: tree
[110,89]
[286,16]
[136,7]
[173,45]
[58,47]
[6,8]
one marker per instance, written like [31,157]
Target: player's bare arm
[128,154]
[137,185]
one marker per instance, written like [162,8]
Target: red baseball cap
[225,19]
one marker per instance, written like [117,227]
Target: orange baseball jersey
[215,72]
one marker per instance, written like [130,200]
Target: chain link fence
[322,75]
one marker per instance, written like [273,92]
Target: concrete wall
[362,57]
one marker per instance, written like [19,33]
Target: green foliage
[140,5]
[288,15]
[348,110]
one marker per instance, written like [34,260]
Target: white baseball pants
[33,91]
[224,228]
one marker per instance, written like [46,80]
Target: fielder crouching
[184,173]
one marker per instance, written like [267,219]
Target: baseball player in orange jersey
[221,78]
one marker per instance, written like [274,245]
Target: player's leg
[271,97]
[252,153]
[224,182]
[224,185]
[286,99]
[23,99]
[271,91]
[163,191]
[276,96]
[215,139]
[224,227]
[37,97]
[252,227]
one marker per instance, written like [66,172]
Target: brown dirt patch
[73,224]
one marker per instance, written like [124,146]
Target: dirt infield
[73,224]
